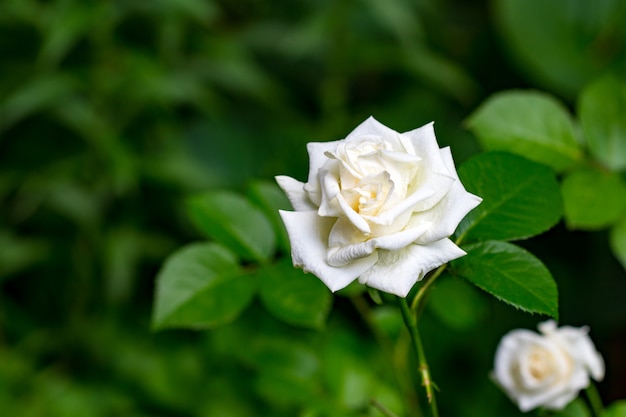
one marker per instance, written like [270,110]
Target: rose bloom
[548,369]
[379,206]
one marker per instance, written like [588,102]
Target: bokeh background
[112,112]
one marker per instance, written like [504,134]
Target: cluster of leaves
[589,152]
[211,283]
[520,199]
[109,113]
[206,284]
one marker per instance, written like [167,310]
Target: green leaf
[20,253]
[616,409]
[233,221]
[293,296]
[521,198]
[37,94]
[592,199]
[511,274]
[601,109]
[270,198]
[618,241]
[529,123]
[576,408]
[200,286]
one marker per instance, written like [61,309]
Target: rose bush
[547,369]
[379,206]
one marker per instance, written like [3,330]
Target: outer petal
[308,234]
[372,127]
[433,169]
[397,271]
[507,354]
[561,400]
[346,252]
[583,350]
[451,209]
[295,193]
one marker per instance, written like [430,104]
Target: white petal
[551,398]
[447,214]
[507,353]
[595,364]
[308,234]
[560,401]
[342,252]
[397,271]
[371,127]
[583,350]
[389,216]
[329,182]
[425,144]
[449,211]
[433,170]
[547,327]
[317,159]
[355,218]
[295,193]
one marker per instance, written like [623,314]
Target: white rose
[378,205]
[549,369]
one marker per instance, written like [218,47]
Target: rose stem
[411,325]
[384,341]
[594,399]
[422,291]
[383,410]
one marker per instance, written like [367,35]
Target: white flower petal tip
[379,206]
[295,192]
[546,369]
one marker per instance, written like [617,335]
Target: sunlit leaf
[602,110]
[35,95]
[233,221]
[593,199]
[529,123]
[200,286]
[521,198]
[270,198]
[511,274]
[616,409]
[64,29]
[17,253]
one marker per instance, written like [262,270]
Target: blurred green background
[112,112]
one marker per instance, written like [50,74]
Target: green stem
[400,370]
[424,287]
[594,399]
[411,325]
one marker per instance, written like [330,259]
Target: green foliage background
[112,113]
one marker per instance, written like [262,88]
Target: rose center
[370,194]
[539,362]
